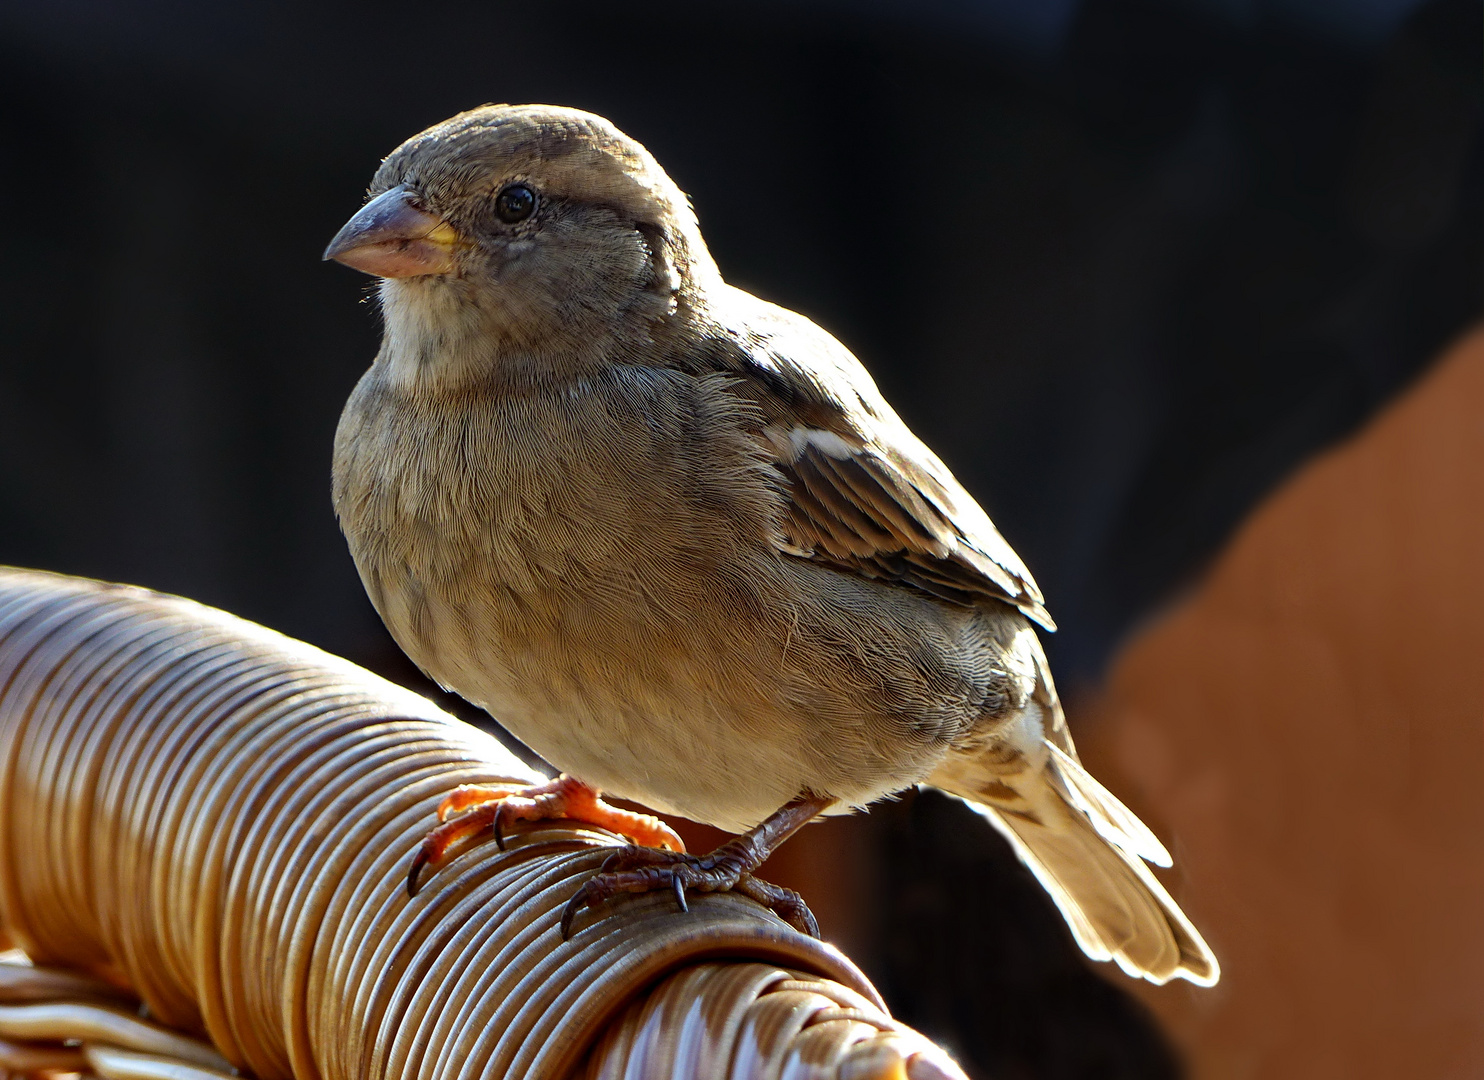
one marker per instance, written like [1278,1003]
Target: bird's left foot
[469,810]
[727,869]
[640,869]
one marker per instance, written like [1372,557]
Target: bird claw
[498,825]
[785,903]
[418,862]
[469,810]
[640,870]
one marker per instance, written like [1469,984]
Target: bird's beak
[392,238]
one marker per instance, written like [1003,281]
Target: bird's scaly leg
[728,868]
[472,808]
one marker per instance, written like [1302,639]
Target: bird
[673,538]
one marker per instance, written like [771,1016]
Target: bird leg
[470,809]
[728,868]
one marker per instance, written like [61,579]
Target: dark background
[1123,264]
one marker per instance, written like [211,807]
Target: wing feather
[863,514]
[864,495]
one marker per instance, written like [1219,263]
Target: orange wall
[1308,727]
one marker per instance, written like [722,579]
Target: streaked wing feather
[867,514]
[885,495]
[840,516]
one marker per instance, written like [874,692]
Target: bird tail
[1088,850]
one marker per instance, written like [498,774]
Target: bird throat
[438,339]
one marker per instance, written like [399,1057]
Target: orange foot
[469,810]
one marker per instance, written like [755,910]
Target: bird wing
[864,494]
[868,508]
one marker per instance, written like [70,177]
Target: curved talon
[679,886]
[574,905]
[498,825]
[418,862]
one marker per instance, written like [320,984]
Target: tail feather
[1084,846]
[1113,821]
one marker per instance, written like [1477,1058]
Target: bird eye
[515,203]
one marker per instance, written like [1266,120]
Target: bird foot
[642,869]
[727,869]
[469,810]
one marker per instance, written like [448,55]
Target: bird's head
[522,234]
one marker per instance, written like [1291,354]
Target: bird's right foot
[469,810]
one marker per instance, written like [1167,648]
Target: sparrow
[673,538]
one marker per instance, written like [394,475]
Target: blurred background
[1181,289]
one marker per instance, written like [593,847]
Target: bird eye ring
[515,203]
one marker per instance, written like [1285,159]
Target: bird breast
[508,522]
[595,566]
[607,478]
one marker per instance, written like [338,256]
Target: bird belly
[671,716]
[717,705]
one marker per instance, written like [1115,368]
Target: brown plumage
[674,539]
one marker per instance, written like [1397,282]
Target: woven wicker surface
[218,819]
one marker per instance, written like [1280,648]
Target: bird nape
[672,537]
